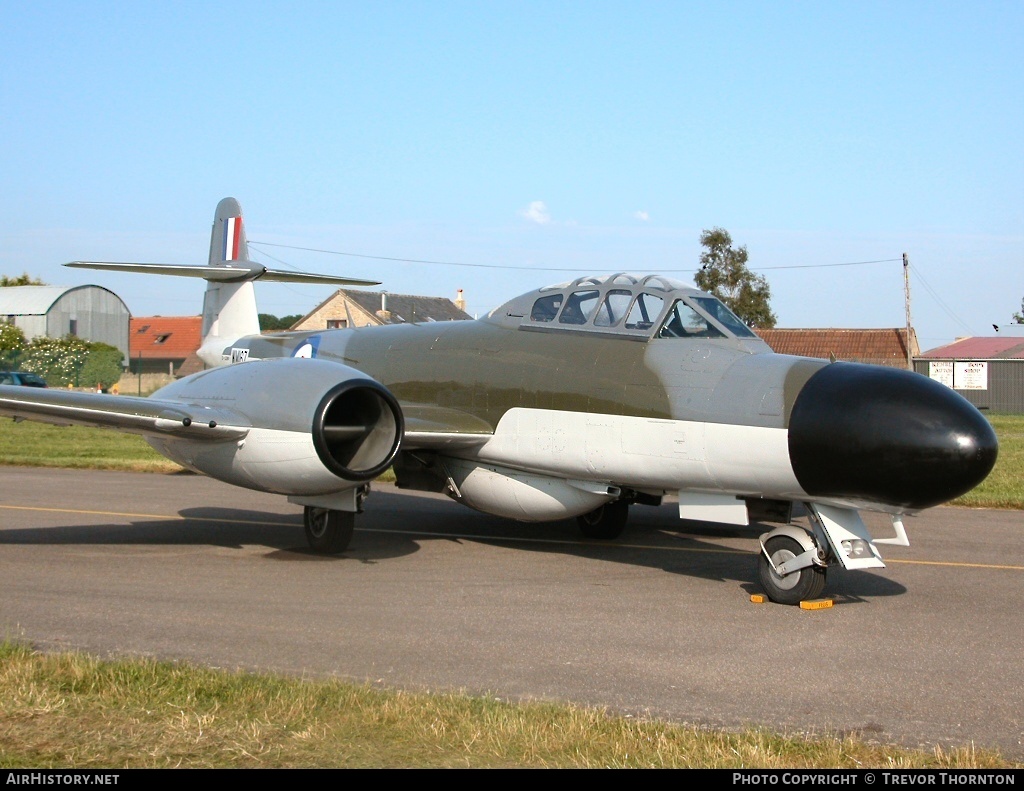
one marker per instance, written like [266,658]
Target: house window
[161,338]
[337,324]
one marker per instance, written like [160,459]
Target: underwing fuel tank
[889,436]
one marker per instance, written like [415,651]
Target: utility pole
[906,299]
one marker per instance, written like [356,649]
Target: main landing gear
[606,522]
[328,531]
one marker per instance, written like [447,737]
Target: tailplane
[229,305]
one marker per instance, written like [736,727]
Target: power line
[938,299]
[917,272]
[423,261]
[822,266]
[540,268]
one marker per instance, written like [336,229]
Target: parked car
[23,378]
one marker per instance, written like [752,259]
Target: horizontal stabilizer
[235,272]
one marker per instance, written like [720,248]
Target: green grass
[1004,487]
[75,711]
[30,444]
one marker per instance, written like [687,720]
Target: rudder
[228,242]
[229,309]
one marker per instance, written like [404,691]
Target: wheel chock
[816,604]
[758,598]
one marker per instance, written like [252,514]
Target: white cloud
[642,215]
[537,212]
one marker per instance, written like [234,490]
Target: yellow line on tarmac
[176,517]
[952,564]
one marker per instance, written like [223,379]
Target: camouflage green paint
[486,370]
[482,369]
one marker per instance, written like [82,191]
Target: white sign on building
[941,371]
[961,375]
[970,375]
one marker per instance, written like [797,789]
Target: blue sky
[526,143]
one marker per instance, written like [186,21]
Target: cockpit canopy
[638,306]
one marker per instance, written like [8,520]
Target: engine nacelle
[524,496]
[314,426]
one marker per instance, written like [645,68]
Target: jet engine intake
[307,427]
[356,429]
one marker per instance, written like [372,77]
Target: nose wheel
[798,585]
[328,531]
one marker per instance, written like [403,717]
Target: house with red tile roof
[875,346]
[162,344]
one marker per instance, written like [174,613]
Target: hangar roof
[31,300]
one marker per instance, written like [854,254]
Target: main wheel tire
[328,531]
[606,522]
[795,587]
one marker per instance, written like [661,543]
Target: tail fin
[229,306]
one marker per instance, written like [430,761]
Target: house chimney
[384,313]
[460,303]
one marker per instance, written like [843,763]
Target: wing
[433,427]
[122,413]
[426,426]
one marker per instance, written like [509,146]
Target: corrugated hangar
[987,371]
[92,313]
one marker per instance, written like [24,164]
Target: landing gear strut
[328,531]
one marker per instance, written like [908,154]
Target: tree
[103,367]
[724,273]
[269,321]
[1018,318]
[22,280]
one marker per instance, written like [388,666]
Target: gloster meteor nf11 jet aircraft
[577,400]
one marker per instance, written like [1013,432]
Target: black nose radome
[888,436]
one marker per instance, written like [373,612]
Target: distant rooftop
[33,300]
[877,346]
[164,337]
[407,307]
[994,348]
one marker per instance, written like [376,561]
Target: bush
[72,361]
[57,360]
[103,367]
